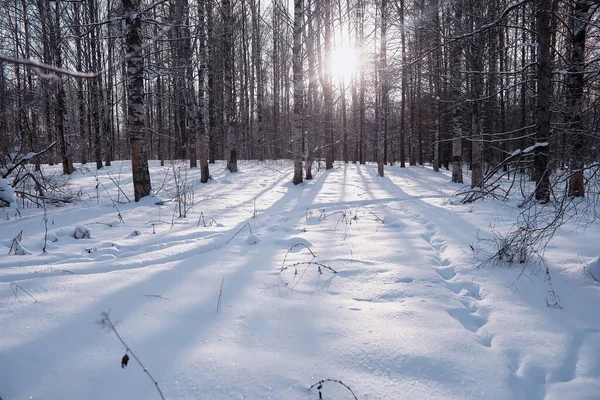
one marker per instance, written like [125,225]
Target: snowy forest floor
[408,315]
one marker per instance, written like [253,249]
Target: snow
[7,194]
[594,268]
[82,232]
[407,313]
[29,155]
[529,149]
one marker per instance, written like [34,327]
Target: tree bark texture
[135,99]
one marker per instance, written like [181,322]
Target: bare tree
[541,172]
[575,88]
[228,99]
[382,89]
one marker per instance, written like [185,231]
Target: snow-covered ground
[407,315]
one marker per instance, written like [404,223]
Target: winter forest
[296,199]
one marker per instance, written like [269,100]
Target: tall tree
[298,90]
[228,98]
[135,100]
[328,88]
[456,87]
[202,133]
[541,173]
[382,89]
[575,87]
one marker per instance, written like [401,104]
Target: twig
[45,219]
[158,296]
[220,295]
[246,224]
[318,264]
[15,243]
[118,185]
[99,183]
[292,248]
[589,271]
[587,268]
[370,212]
[106,322]
[15,289]
[319,386]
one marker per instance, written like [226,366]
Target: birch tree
[382,89]
[298,90]
[135,100]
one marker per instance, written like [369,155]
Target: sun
[344,62]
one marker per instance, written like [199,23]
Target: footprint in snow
[465,288]
[446,273]
[468,320]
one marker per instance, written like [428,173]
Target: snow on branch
[38,66]
[15,162]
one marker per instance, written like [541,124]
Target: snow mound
[17,249]
[594,268]
[392,222]
[312,220]
[82,232]
[137,232]
[7,194]
[293,241]
[252,239]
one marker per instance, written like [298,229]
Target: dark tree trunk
[540,159]
[575,86]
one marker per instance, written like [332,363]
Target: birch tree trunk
[328,90]
[437,57]
[313,95]
[382,89]
[476,68]
[455,66]
[191,104]
[404,86]
[135,99]
[361,44]
[298,90]
[258,71]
